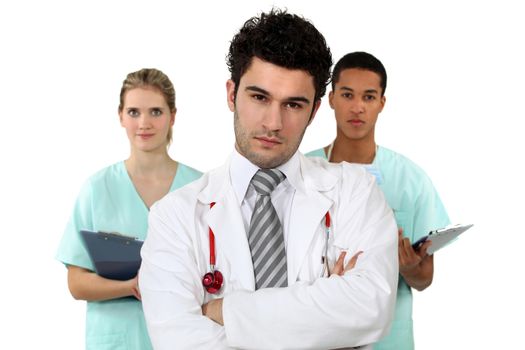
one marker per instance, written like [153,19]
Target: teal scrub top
[109,202]
[418,210]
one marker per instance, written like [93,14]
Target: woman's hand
[135,287]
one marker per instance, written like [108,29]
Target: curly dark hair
[283,39]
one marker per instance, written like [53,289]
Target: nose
[144,122]
[357,106]
[273,120]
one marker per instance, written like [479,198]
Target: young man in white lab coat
[279,66]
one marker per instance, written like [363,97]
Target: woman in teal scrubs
[117,199]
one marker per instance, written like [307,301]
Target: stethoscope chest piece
[212,281]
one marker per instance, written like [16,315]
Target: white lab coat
[312,313]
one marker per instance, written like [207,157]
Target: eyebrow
[368,91]
[266,93]
[154,107]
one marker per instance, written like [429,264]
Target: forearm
[86,285]
[170,280]
[421,276]
[336,312]
[174,318]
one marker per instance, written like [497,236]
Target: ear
[314,111]
[120,117]
[383,101]
[172,117]
[331,99]
[230,94]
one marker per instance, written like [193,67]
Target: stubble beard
[242,142]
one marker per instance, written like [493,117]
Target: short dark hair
[283,39]
[360,60]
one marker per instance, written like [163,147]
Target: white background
[454,106]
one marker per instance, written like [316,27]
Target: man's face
[357,102]
[271,112]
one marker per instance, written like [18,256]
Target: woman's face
[147,119]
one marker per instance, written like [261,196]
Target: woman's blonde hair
[153,78]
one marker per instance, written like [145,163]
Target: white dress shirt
[241,174]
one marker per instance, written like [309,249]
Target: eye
[369,97]
[156,112]
[346,95]
[259,97]
[293,105]
[133,112]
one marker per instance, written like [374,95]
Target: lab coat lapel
[309,207]
[308,211]
[225,219]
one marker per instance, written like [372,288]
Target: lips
[356,122]
[268,141]
[145,136]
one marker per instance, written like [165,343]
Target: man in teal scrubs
[109,202]
[357,98]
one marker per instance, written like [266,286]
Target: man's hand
[416,266]
[339,268]
[213,310]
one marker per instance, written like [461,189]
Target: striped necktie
[266,233]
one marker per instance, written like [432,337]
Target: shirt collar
[242,171]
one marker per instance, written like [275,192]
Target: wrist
[129,287]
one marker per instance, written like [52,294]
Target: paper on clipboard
[114,256]
[441,237]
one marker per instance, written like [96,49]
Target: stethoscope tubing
[324,259]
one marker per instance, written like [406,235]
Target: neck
[353,151]
[149,164]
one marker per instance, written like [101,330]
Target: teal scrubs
[109,202]
[418,210]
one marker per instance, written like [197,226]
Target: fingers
[422,251]
[405,250]
[409,258]
[340,269]
[339,265]
[353,261]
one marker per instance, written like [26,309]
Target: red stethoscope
[213,280]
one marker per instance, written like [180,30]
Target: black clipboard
[115,256]
[441,237]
